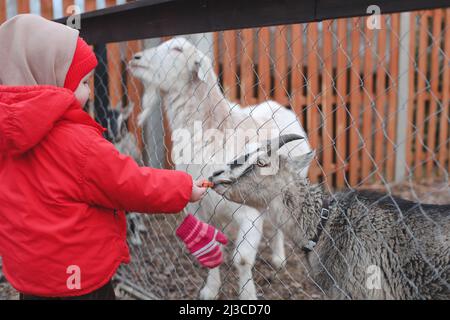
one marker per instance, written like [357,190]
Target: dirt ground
[162,269]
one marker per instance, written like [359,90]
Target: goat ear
[202,67]
[303,161]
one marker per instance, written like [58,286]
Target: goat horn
[275,144]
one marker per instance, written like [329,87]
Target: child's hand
[197,191]
[202,240]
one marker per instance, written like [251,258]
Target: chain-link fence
[372,97]
[342,80]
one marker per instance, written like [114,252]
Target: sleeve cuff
[186,227]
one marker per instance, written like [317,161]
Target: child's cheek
[82,94]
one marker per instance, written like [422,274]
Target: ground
[163,270]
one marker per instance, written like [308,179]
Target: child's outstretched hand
[202,240]
[198,190]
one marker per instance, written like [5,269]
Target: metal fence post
[402,97]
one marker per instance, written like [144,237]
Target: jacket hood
[28,114]
[35,51]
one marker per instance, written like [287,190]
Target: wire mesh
[341,79]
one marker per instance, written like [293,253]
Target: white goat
[191,95]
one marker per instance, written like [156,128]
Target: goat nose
[137,56]
[218,173]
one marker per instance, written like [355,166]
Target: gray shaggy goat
[358,244]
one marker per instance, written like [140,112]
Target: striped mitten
[202,241]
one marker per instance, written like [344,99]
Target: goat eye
[177,49]
[261,163]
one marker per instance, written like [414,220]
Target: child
[63,187]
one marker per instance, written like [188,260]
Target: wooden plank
[392,103]
[66,5]
[90,5]
[23,6]
[366,152]
[2,11]
[230,65]
[263,64]
[297,76]
[421,80]
[312,111]
[327,102]
[47,9]
[434,83]
[247,68]
[355,102]
[380,138]
[280,64]
[172,17]
[411,104]
[134,93]
[444,147]
[341,91]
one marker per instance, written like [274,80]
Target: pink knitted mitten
[202,241]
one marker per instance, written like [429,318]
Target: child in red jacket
[63,187]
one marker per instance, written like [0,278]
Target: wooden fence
[340,78]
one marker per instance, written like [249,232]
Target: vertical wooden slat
[412,89]
[380,101]
[90,5]
[47,9]
[66,4]
[229,65]
[312,112]
[2,11]
[247,67]
[134,90]
[327,101]
[264,64]
[366,152]
[297,77]
[421,94]
[392,104]
[355,102]
[23,6]
[444,147]
[341,91]
[434,82]
[280,65]
[115,74]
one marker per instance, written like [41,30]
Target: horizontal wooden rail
[156,18]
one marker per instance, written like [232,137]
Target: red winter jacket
[63,192]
